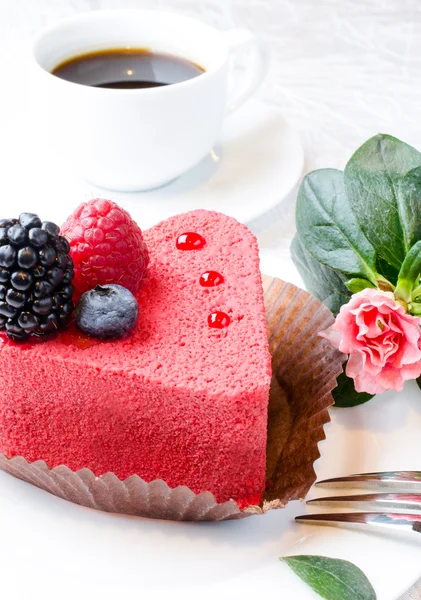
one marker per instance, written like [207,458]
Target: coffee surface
[127,68]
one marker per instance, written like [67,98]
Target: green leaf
[332,578]
[327,285]
[390,273]
[409,275]
[408,191]
[345,394]
[379,199]
[358,285]
[328,229]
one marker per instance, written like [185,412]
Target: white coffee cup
[139,139]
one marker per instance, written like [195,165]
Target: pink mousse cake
[183,398]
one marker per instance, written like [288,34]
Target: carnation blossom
[382,340]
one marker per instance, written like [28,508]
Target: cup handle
[239,41]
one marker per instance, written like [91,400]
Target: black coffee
[126,68]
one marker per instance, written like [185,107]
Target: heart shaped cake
[182,398]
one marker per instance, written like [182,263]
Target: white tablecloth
[341,70]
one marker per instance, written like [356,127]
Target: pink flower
[382,340]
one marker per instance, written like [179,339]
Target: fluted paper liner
[305,368]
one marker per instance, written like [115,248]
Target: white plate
[249,175]
[53,549]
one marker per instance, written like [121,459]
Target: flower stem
[404,290]
[416,292]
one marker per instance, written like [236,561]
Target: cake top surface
[173,344]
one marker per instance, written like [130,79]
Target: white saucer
[251,172]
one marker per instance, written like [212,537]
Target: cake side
[82,418]
[177,400]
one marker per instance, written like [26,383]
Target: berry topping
[17,235]
[37,237]
[6,223]
[28,322]
[21,280]
[52,229]
[43,289]
[211,279]
[29,220]
[106,246]
[7,256]
[27,258]
[15,299]
[55,276]
[47,256]
[35,278]
[107,311]
[190,241]
[38,272]
[218,320]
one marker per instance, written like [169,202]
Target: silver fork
[399,507]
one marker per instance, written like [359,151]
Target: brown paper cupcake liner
[304,367]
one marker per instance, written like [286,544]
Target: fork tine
[377,502]
[396,480]
[399,522]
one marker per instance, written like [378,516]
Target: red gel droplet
[190,241]
[218,320]
[211,279]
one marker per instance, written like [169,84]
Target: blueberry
[27,257]
[29,220]
[4,275]
[3,291]
[3,237]
[37,237]
[108,311]
[21,280]
[3,321]
[51,228]
[7,256]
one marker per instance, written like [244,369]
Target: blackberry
[36,274]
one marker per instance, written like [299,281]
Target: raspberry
[106,246]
